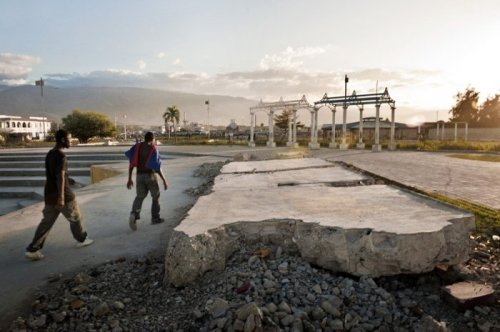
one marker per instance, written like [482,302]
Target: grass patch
[487,219]
[29,144]
[481,157]
[448,145]
[200,140]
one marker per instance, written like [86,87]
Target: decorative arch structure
[285,105]
[360,101]
[440,134]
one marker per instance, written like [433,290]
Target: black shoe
[157,221]
[132,221]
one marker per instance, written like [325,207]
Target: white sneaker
[34,256]
[132,222]
[85,243]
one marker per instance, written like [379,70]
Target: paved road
[472,180]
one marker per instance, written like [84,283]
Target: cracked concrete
[311,176]
[472,180]
[369,230]
[273,165]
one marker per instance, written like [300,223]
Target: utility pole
[40,83]
[207,102]
[344,145]
[125,125]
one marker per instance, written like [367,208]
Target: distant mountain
[141,106]
[145,107]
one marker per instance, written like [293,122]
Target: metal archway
[360,100]
[286,105]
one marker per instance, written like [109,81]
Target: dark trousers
[71,211]
[144,183]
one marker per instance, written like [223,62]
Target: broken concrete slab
[273,165]
[370,230]
[466,295]
[333,176]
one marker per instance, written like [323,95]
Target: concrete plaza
[106,206]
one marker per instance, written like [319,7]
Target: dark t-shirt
[55,162]
[144,152]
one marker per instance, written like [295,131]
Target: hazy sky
[423,51]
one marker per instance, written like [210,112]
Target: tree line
[87,124]
[467,109]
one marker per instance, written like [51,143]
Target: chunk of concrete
[466,295]
[370,230]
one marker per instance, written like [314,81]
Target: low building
[32,127]
[402,131]
[232,129]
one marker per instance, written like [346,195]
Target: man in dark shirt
[146,158]
[59,198]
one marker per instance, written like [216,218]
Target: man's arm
[60,189]
[165,184]
[130,183]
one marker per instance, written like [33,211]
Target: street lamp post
[344,145]
[346,80]
[41,83]
[207,102]
[125,125]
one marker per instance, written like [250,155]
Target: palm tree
[171,114]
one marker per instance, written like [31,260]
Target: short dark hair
[61,135]
[149,136]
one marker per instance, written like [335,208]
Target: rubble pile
[262,288]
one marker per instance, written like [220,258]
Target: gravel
[255,295]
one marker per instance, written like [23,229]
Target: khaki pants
[144,183]
[71,211]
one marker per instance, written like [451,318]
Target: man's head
[149,137]
[62,138]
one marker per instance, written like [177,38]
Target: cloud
[276,75]
[15,68]
[267,84]
[141,64]
[289,58]
[160,55]
[410,88]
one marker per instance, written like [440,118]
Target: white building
[34,127]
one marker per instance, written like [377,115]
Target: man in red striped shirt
[146,158]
